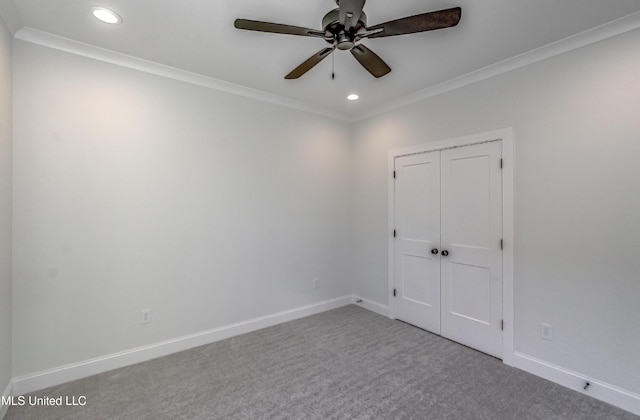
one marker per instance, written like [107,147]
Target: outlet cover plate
[145,316]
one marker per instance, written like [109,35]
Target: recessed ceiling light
[106,15]
[353,97]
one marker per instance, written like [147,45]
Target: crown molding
[71,46]
[590,36]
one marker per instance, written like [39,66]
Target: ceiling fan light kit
[345,26]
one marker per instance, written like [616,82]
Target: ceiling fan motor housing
[337,35]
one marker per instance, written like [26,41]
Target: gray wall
[577,199]
[5,207]
[134,191]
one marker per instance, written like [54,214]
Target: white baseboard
[371,305]
[5,395]
[597,389]
[40,380]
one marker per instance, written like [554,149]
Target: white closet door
[471,235]
[417,210]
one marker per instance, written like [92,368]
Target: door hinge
[501,243]
[502,325]
[501,163]
[394,174]
[394,233]
[394,292]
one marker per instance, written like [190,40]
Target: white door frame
[508,296]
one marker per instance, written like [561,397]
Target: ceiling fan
[346,25]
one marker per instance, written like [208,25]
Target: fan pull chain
[333,66]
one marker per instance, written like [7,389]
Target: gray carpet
[343,364]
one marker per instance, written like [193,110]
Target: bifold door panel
[448,261]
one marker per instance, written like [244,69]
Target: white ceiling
[198,36]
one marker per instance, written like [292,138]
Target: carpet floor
[348,363]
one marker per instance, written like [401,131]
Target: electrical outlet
[315,283]
[146,316]
[546,331]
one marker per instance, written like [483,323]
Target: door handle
[434,251]
[445,253]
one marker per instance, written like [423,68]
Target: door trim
[508,286]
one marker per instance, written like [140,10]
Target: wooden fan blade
[370,61]
[309,63]
[419,23]
[350,12]
[276,28]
